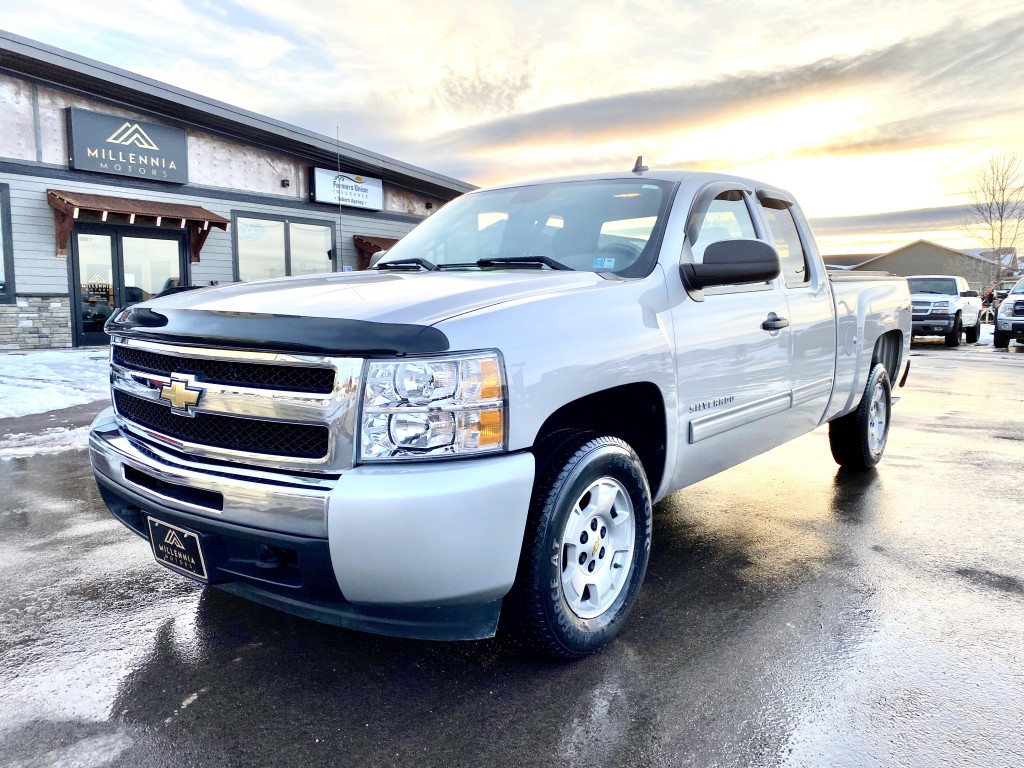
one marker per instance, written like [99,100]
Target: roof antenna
[640,167]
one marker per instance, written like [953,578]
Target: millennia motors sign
[126,147]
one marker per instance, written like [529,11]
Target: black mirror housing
[732,262]
[968,294]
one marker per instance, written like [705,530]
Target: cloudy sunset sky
[876,115]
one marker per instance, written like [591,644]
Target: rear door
[810,310]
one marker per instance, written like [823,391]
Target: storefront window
[269,248]
[260,249]
[6,248]
[310,248]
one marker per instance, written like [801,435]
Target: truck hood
[420,298]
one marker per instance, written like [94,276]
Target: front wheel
[586,548]
[858,439]
[953,337]
[1000,340]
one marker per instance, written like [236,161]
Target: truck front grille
[255,408]
[272,438]
[240,374]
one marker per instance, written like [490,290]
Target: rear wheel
[586,548]
[973,333]
[858,439]
[1001,340]
[953,337]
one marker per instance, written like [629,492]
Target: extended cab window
[787,241]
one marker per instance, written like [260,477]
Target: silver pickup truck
[480,425]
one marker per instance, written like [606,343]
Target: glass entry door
[114,267]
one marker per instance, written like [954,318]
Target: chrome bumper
[274,501]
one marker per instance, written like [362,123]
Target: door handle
[774,323]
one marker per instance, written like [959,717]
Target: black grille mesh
[1018,308]
[258,375]
[305,441]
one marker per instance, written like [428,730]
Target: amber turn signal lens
[490,384]
[492,427]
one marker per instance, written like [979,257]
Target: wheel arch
[889,352]
[634,413]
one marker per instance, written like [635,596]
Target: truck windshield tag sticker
[604,263]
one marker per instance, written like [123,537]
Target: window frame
[698,210]
[787,206]
[7,293]
[287,220]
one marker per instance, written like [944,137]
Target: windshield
[587,226]
[1019,287]
[943,286]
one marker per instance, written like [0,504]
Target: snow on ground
[53,440]
[47,380]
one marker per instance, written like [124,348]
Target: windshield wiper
[545,260]
[412,261]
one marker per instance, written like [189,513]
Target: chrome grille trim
[336,410]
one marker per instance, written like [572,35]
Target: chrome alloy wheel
[597,548]
[878,419]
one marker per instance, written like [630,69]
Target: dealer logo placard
[126,147]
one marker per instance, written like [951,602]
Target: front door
[115,267]
[733,357]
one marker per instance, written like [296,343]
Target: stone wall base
[36,322]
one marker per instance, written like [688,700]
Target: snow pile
[53,440]
[47,380]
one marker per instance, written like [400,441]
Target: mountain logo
[172,539]
[131,133]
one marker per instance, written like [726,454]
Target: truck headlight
[940,308]
[1006,308]
[433,407]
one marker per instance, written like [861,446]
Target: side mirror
[375,258]
[968,294]
[732,262]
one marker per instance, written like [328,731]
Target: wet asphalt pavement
[792,615]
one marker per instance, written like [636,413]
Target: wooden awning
[68,206]
[368,245]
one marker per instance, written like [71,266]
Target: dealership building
[115,187]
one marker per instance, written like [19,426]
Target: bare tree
[995,212]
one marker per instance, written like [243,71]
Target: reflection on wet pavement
[792,615]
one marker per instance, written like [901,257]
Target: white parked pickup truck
[945,305]
[480,425]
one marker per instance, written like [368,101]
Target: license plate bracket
[177,548]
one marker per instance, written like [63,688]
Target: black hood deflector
[275,333]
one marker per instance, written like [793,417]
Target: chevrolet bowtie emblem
[182,393]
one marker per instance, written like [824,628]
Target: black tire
[857,439]
[1000,340]
[972,334]
[538,611]
[953,337]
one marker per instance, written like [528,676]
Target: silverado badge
[182,393]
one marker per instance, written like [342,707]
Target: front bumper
[1011,325]
[932,325]
[423,551]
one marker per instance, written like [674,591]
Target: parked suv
[1010,320]
[945,305]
